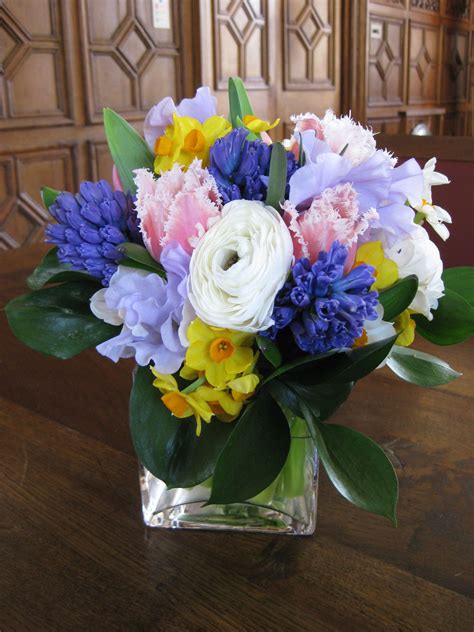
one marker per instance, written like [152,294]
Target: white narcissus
[434,215]
[238,267]
[417,254]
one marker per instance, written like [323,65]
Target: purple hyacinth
[91,225]
[324,308]
[240,167]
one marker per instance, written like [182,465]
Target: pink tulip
[179,206]
[334,215]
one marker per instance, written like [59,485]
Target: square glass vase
[287,506]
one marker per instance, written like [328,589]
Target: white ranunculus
[417,254]
[238,267]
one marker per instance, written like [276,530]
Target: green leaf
[140,255]
[305,362]
[58,320]
[357,467]
[168,446]
[129,150]
[49,196]
[420,368]
[461,281]
[452,322]
[51,270]
[277,176]
[322,399]
[398,297]
[269,350]
[346,366]
[254,454]
[239,104]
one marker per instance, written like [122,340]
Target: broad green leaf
[168,446]
[322,399]
[345,366]
[58,320]
[239,104]
[49,196]
[277,177]
[420,368]
[269,350]
[140,255]
[452,322]
[305,362]
[461,281]
[357,467]
[398,297]
[254,454]
[51,270]
[129,150]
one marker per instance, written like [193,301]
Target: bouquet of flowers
[254,282]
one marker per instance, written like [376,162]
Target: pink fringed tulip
[334,215]
[179,206]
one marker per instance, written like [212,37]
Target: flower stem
[194,385]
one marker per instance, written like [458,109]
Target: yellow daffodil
[243,387]
[180,404]
[221,402]
[386,270]
[257,125]
[221,353]
[406,326]
[187,139]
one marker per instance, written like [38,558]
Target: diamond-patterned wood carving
[241,42]
[455,66]
[23,216]
[423,67]
[125,56]
[309,44]
[32,53]
[385,61]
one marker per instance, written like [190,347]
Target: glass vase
[286,506]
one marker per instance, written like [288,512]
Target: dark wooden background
[74,554]
[393,63]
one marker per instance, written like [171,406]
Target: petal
[197,355]
[166,383]
[239,360]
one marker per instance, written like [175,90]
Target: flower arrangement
[254,282]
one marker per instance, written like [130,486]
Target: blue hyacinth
[240,167]
[91,225]
[324,308]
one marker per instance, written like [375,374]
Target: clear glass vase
[287,506]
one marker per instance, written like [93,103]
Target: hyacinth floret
[91,225]
[240,167]
[325,308]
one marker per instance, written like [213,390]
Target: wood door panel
[309,44]
[241,42]
[22,214]
[61,62]
[33,59]
[423,64]
[125,57]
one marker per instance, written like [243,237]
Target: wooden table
[74,554]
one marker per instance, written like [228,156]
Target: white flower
[434,215]
[377,330]
[417,254]
[238,267]
[343,131]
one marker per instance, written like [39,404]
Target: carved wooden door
[286,51]
[61,62]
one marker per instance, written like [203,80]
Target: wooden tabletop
[74,554]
